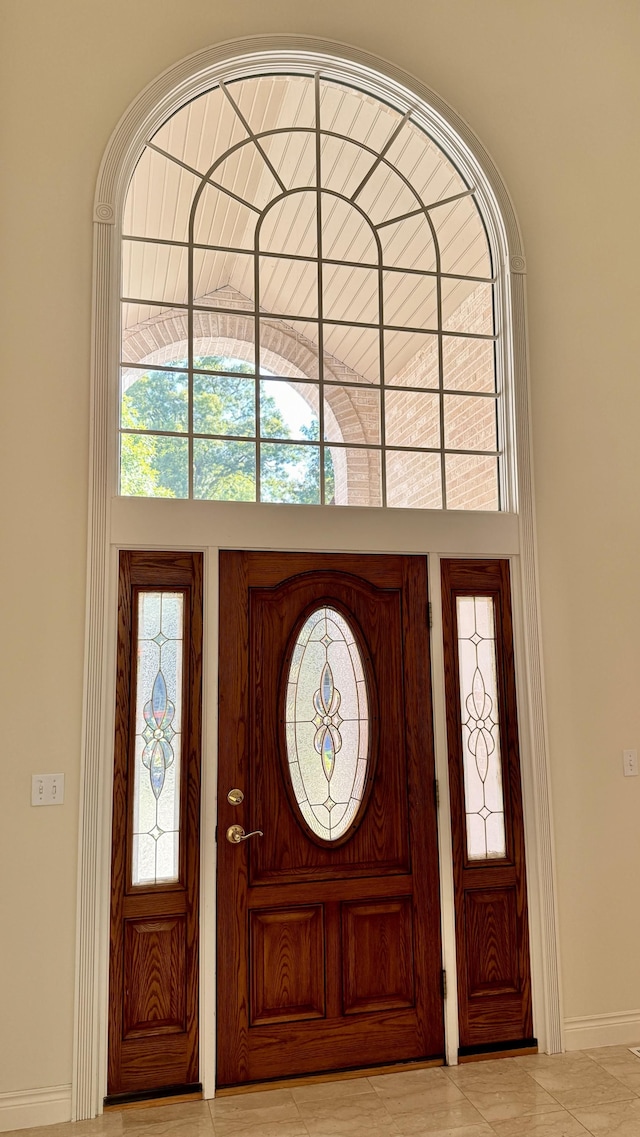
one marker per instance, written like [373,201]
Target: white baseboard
[619,1029]
[26,1108]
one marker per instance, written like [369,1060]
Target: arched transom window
[307,307]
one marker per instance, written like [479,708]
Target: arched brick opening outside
[163,339]
[351,413]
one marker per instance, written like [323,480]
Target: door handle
[236,834]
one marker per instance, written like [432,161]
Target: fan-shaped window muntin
[328,725]
[368,289]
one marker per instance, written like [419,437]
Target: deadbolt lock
[235,797]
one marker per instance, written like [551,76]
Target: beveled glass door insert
[482,758]
[327,724]
[157,777]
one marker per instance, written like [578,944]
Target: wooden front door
[329,951]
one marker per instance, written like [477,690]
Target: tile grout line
[510,1074]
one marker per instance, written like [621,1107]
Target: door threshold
[491,1055]
[148,1098]
[329,1076]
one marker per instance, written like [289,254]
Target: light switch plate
[47,789]
[630,763]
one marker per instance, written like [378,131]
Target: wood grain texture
[287,853]
[153,968]
[377,955]
[492,934]
[491,923]
[287,968]
[389,857]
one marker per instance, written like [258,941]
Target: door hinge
[437,785]
[429,614]
[444,984]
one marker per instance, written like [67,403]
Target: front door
[329,952]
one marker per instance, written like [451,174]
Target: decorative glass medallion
[484,800]
[327,724]
[156,798]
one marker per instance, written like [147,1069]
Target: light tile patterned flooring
[592,1091]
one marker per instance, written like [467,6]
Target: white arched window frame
[310,231]
[116,522]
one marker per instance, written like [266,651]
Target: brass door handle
[236,834]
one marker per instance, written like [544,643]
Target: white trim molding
[27,1108]
[120,522]
[621,1028]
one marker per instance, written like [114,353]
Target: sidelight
[484,802]
[156,808]
[327,724]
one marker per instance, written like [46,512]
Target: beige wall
[551,87]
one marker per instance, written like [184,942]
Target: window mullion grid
[380,157]
[302,441]
[275,315]
[302,380]
[321,429]
[383,416]
[443,468]
[305,442]
[213,248]
[302,257]
[190,353]
[191,307]
[257,361]
[253,137]
[500,409]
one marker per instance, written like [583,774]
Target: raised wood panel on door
[492,935]
[491,920]
[328,956]
[287,971]
[377,944]
[155,996]
[153,966]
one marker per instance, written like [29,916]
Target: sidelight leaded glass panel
[156,795]
[315,241]
[327,724]
[482,761]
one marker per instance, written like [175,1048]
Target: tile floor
[591,1091]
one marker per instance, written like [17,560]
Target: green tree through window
[156,465]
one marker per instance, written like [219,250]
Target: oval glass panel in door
[327,724]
